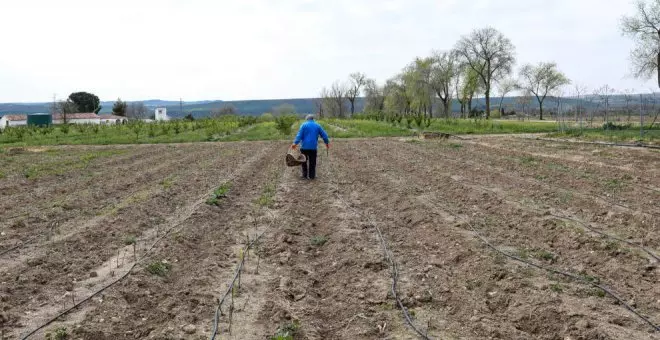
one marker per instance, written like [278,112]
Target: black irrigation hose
[66,311]
[560,272]
[637,145]
[218,309]
[390,259]
[144,256]
[585,225]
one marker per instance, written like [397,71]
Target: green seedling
[267,197]
[319,240]
[455,146]
[130,240]
[287,331]
[159,268]
[597,292]
[556,287]
[218,194]
[61,333]
[529,160]
[167,183]
[546,255]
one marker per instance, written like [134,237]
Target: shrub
[283,123]
[159,268]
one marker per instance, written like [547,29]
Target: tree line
[480,64]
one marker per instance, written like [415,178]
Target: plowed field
[480,232]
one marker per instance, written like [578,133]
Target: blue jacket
[309,135]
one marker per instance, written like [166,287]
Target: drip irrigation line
[388,256]
[636,145]
[140,260]
[21,244]
[218,309]
[560,272]
[585,225]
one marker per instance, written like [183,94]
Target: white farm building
[12,120]
[71,118]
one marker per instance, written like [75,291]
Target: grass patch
[614,184]
[556,287]
[218,194]
[286,331]
[168,182]
[557,167]
[597,292]
[529,161]
[319,240]
[61,333]
[541,177]
[545,255]
[159,268]
[630,134]
[267,196]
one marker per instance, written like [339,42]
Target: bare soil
[318,263]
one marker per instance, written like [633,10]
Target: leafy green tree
[541,80]
[119,108]
[490,54]
[86,102]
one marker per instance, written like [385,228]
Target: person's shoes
[304,178]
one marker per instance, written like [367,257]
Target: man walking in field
[308,134]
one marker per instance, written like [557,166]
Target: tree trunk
[501,101]
[447,107]
[487,104]
[541,109]
[469,104]
[352,107]
[659,64]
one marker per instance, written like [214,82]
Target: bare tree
[644,28]
[225,110]
[136,110]
[490,54]
[444,70]
[319,102]
[604,94]
[64,108]
[580,90]
[356,80]
[524,101]
[337,94]
[374,96]
[628,96]
[541,80]
[504,87]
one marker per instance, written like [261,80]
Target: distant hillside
[302,105]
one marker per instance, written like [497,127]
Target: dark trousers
[309,167]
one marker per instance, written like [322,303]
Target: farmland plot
[462,220]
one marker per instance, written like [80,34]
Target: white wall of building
[161,114]
[8,123]
[79,121]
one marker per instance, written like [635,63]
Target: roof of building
[15,117]
[112,117]
[69,116]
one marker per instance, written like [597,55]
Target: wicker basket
[295,158]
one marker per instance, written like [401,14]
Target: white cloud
[225,49]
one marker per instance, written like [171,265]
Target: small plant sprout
[159,268]
[287,331]
[319,240]
[218,194]
[556,287]
[130,240]
[60,333]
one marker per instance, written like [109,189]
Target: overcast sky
[256,49]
